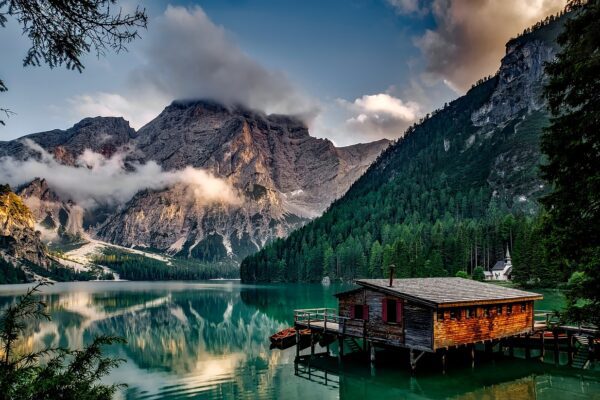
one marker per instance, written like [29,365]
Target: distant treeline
[11,274]
[137,267]
[417,249]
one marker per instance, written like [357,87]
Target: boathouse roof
[447,292]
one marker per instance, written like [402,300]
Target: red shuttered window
[359,311]
[392,310]
[399,310]
[384,310]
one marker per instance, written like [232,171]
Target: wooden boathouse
[424,315]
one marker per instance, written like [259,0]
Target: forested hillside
[452,194]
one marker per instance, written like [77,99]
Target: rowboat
[287,337]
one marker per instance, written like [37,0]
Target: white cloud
[383,103]
[189,57]
[96,180]
[408,6]
[470,36]
[137,113]
[381,115]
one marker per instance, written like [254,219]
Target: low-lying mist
[96,180]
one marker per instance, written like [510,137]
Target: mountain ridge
[284,176]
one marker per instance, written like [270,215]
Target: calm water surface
[210,340]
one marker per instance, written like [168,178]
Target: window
[455,313]
[509,309]
[471,312]
[440,315]
[499,310]
[392,310]
[358,311]
[523,307]
[487,311]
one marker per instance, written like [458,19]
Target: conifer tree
[572,147]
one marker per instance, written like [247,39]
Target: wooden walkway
[328,327]
[327,320]
[581,340]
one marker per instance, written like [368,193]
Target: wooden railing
[552,320]
[324,316]
[546,316]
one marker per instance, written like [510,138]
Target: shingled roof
[499,266]
[448,292]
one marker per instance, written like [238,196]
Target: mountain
[286,177]
[54,217]
[453,193]
[23,255]
[282,176]
[18,239]
[101,135]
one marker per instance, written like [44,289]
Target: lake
[210,340]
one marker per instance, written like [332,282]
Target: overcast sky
[354,70]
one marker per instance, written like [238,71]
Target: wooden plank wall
[453,332]
[391,333]
[345,304]
[418,328]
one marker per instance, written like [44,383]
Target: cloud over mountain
[97,180]
[187,56]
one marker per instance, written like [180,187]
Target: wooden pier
[436,315]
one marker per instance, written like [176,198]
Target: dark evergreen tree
[572,146]
[64,373]
[478,274]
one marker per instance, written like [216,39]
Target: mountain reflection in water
[210,340]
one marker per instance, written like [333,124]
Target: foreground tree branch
[64,373]
[61,32]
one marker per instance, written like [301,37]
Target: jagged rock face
[255,151]
[104,135]
[517,106]
[18,239]
[284,176]
[55,218]
[520,82]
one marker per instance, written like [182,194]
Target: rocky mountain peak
[14,214]
[39,188]
[104,135]
[283,176]
[521,76]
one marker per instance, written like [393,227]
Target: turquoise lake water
[210,340]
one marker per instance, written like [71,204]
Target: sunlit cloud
[381,115]
[469,39]
[188,56]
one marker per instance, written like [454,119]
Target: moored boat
[287,337]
